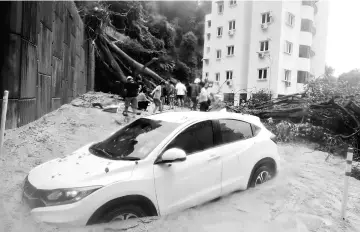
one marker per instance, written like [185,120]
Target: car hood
[80,169]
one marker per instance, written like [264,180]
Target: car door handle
[214,157]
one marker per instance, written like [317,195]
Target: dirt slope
[306,196]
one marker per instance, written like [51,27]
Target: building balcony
[307,12]
[313,30]
[312,4]
[305,38]
[303,64]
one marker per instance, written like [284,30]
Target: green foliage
[259,97]
[352,77]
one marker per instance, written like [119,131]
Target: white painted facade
[247,36]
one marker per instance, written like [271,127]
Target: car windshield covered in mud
[134,141]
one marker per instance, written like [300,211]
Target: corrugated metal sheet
[43,98]
[64,92]
[27,111]
[66,62]
[75,17]
[58,34]
[45,50]
[10,70]
[30,21]
[71,82]
[29,70]
[46,13]
[56,77]
[11,113]
[91,68]
[60,9]
[55,103]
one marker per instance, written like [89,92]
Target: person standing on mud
[157,95]
[203,97]
[181,92]
[195,91]
[131,89]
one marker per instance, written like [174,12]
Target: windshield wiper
[127,158]
[102,151]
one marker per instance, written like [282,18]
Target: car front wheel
[122,213]
[261,175]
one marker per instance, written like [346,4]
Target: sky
[344,35]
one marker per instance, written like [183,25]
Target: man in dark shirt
[195,91]
[131,93]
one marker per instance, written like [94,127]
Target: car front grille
[32,195]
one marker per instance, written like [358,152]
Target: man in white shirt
[157,94]
[181,92]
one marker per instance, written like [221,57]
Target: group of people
[166,93]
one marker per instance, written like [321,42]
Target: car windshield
[134,141]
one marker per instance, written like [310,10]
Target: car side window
[255,129]
[234,130]
[195,138]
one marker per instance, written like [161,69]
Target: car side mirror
[173,155]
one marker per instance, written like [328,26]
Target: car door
[237,142]
[181,185]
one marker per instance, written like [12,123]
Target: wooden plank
[78,42]
[47,14]
[11,16]
[59,9]
[66,62]
[45,50]
[71,82]
[68,23]
[30,21]
[64,93]
[55,103]
[26,111]
[29,70]
[90,68]
[75,17]
[11,114]
[58,37]
[72,51]
[56,77]
[10,70]
[43,98]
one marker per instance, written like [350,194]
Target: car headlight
[67,196]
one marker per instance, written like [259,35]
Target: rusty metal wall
[45,59]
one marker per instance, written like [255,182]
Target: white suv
[156,165]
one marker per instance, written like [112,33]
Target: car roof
[191,116]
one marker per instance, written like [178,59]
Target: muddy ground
[305,196]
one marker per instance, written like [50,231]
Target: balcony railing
[311,3]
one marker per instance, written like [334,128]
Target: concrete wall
[46,60]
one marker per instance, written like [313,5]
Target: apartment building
[271,45]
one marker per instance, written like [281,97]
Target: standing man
[171,95]
[195,91]
[157,94]
[131,92]
[181,91]
[203,97]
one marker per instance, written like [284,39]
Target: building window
[206,74]
[208,49]
[288,47]
[302,77]
[232,25]
[220,8]
[290,19]
[209,36]
[219,31]
[262,74]
[218,77]
[232,2]
[306,25]
[287,75]
[209,23]
[264,45]
[266,17]
[230,50]
[219,54]
[229,75]
[304,51]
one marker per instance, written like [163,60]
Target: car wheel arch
[265,161]
[145,203]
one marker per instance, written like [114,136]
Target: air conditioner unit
[261,55]
[264,26]
[288,83]
[230,82]
[231,32]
